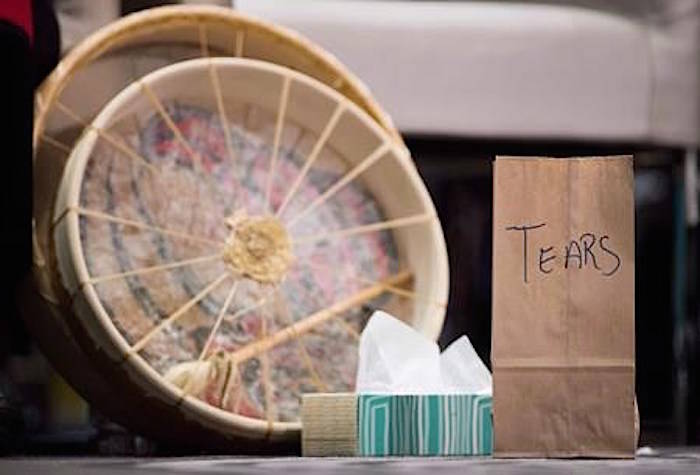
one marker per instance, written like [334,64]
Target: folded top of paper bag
[396,359]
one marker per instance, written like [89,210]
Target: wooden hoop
[52,314]
[76,279]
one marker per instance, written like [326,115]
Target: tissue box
[391,425]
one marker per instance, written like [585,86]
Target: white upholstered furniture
[601,71]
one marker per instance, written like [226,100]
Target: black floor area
[678,460]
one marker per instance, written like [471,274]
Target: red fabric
[18,12]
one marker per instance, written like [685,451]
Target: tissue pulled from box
[396,359]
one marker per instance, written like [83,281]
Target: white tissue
[396,359]
[462,370]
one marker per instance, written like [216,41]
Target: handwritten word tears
[588,250]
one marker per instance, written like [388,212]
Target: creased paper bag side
[563,307]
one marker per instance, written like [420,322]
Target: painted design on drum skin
[308,281]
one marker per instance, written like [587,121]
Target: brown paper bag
[563,307]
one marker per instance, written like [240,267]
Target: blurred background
[464,82]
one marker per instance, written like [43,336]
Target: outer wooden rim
[163,18]
[73,271]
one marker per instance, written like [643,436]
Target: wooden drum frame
[68,321]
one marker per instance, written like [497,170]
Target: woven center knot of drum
[258,247]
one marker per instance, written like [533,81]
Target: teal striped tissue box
[424,425]
[395,425]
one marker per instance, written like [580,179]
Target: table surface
[669,460]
